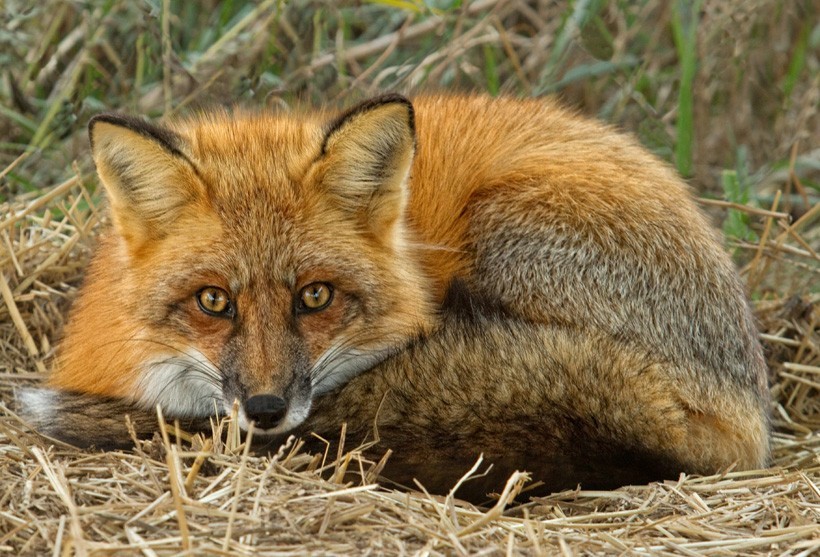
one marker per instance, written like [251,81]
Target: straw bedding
[210,496]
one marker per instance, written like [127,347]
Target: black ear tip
[392,98]
[165,137]
[106,118]
[381,100]
[367,106]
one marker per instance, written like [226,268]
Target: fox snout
[271,409]
[265,411]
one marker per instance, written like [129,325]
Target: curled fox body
[462,275]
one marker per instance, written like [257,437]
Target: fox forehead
[249,155]
[255,167]
[283,249]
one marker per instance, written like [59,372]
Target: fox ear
[147,175]
[368,152]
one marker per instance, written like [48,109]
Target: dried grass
[209,496]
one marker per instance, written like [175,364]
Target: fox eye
[315,297]
[214,301]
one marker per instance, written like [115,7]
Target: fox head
[261,259]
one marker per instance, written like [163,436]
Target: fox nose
[266,410]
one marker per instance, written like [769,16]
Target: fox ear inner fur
[366,157]
[147,175]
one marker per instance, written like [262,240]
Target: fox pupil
[316,296]
[214,301]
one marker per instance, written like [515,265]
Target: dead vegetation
[752,126]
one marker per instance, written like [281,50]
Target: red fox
[457,275]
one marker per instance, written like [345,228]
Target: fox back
[456,270]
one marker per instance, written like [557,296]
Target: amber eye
[214,301]
[315,296]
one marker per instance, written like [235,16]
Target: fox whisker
[338,361]
[182,385]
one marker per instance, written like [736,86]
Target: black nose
[266,410]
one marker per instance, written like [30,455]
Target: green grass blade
[684,31]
